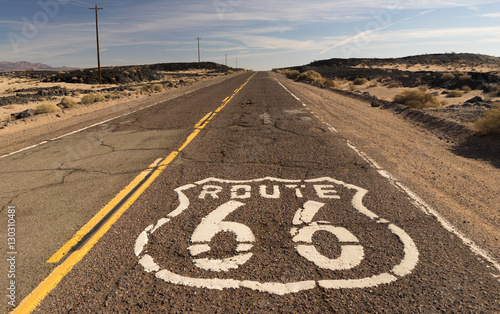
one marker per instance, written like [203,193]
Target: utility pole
[97,38]
[199,59]
[226,59]
[236,63]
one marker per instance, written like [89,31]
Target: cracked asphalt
[268,211]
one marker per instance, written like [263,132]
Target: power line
[97,38]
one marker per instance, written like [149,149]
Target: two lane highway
[261,207]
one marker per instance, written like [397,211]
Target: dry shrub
[455,94]
[46,108]
[229,72]
[67,102]
[158,88]
[147,88]
[466,89]
[329,83]
[114,96]
[291,74]
[490,123]
[448,76]
[417,99]
[360,81]
[309,76]
[92,98]
[394,84]
[465,77]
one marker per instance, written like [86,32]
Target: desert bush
[67,102]
[466,89]
[99,97]
[158,88]
[329,83]
[46,108]
[114,96]
[417,99]
[291,74]
[360,81]
[310,76]
[490,123]
[448,76]
[88,99]
[455,94]
[229,72]
[465,77]
[92,98]
[394,84]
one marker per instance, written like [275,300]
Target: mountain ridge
[29,66]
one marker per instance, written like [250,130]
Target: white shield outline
[405,267]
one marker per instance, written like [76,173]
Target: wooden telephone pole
[97,37]
[199,59]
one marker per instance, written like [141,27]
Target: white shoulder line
[416,200]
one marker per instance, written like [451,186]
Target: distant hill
[28,66]
[428,59]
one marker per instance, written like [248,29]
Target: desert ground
[22,92]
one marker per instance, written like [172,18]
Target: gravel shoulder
[464,191]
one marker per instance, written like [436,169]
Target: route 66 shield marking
[280,232]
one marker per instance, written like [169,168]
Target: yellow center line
[48,284]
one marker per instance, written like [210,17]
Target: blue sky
[261,34]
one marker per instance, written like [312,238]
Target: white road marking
[351,256]
[418,202]
[266,118]
[213,224]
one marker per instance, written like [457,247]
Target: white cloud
[491,15]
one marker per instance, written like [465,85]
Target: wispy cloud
[491,15]
[252,29]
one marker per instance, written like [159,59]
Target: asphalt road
[260,207]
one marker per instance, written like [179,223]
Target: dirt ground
[464,190]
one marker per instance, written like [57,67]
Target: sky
[255,34]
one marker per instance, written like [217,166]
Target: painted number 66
[351,252]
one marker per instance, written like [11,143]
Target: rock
[475,99]
[375,104]
[482,104]
[22,115]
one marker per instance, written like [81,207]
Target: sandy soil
[466,67]
[464,190]
[383,92]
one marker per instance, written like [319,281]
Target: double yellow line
[81,243]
